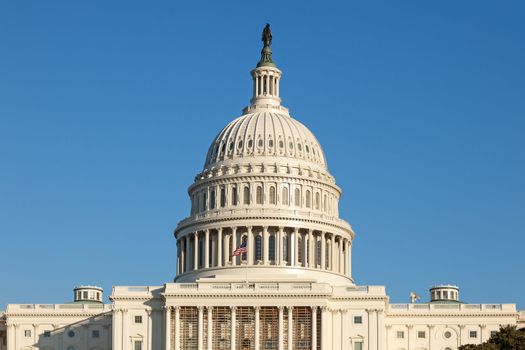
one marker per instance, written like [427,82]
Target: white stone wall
[58,326]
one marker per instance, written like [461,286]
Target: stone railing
[54,307]
[454,306]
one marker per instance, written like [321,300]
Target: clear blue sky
[107,110]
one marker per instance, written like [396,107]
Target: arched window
[308,199]
[325,204]
[212,199]
[285,248]
[223,197]
[285,200]
[258,248]
[317,200]
[273,200]
[204,200]
[234,196]
[271,248]
[297,197]
[246,195]
[259,195]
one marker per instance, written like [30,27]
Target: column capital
[219,229]
[290,308]
[325,308]
[430,326]
[482,326]
[233,308]
[461,326]
[149,311]
[409,326]
[200,308]
[281,228]
[257,308]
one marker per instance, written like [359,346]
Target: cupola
[91,294]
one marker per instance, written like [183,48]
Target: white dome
[268,134]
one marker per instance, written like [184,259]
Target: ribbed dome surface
[265,134]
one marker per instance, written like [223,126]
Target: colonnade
[265,245]
[290,328]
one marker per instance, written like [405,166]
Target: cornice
[444,314]
[254,177]
[226,219]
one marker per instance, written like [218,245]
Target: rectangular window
[138,344]
[27,333]
[358,345]
[358,319]
[138,319]
[421,334]
[47,334]
[95,334]
[473,334]
[400,334]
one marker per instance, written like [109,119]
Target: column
[349,257]
[196,250]
[265,245]
[210,327]
[325,329]
[304,263]
[177,267]
[323,251]
[233,333]
[149,337]
[482,332]
[250,249]
[219,247]
[116,328]
[207,248]
[381,341]
[167,332]
[290,328]
[177,327]
[187,254]
[314,327]
[409,328]
[281,326]
[200,328]
[280,257]
[332,240]
[234,245]
[341,265]
[430,327]
[372,331]
[257,327]
[125,338]
[291,242]
[35,334]
[461,329]
[311,250]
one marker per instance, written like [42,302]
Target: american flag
[241,250]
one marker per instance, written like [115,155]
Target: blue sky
[107,109]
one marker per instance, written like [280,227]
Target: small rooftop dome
[444,293]
[88,294]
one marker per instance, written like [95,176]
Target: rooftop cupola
[444,293]
[88,294]
[266,76]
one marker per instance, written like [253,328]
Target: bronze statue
[267,35]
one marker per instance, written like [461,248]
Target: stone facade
[265,192]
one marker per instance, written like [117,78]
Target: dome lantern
[266,76]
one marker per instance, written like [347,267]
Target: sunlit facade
[265,186]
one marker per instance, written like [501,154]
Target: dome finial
[266,53]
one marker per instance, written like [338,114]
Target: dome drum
[207,252]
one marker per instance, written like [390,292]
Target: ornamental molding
[185,227]
[240,179]
[427,314]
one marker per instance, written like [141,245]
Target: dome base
[264,274]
